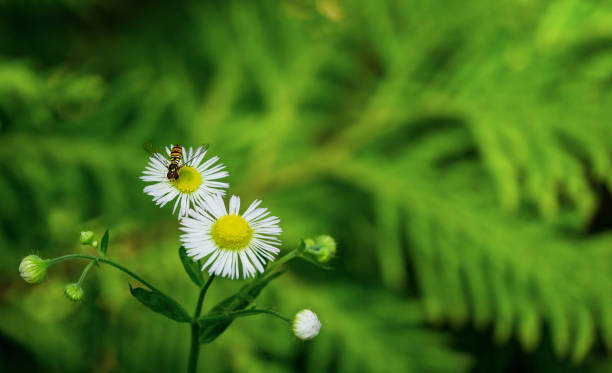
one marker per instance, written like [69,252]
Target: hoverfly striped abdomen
[175,157]
[176,154]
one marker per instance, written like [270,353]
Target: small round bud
[33,269]
[309,242]
[306,325]
[328,248]
[74,292]
[322,248]
[87,238]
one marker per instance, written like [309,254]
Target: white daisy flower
[306,325]
[230,240]
[195,181]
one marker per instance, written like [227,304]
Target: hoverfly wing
[202,148]
[152,149]
[156,152]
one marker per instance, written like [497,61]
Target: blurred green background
[460,153]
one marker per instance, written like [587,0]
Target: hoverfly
[176,160]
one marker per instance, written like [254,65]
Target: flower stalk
[194,350]
[105,261]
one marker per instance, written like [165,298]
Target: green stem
[87,268]
[105,261]
[198,309]
[250,312]
[194,351]
[285,258]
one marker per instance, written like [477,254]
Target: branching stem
[84,273]
[105,261]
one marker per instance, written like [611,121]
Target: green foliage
[461,154]
[104,244]
[212,327]
[191,268]
[160,303]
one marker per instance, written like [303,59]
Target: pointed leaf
[584,333]
[192,268]
[104,243]
[161,303]
[218,319]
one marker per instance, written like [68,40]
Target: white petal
[234,205]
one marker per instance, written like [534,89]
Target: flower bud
[87,238]
[33,269]
[322,248]
[306,325]
[74,292]
[328,248]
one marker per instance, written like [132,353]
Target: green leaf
[192,268]
[218,319]
[104,243]
[161,303]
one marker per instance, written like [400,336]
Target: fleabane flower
[306,325]
[196,179]
[232,243]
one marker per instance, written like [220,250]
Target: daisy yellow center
[232,232]
[189,180]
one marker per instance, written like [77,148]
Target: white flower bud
[306,325]
[33,269]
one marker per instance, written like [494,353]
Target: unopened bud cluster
[321,248]
[88,238]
